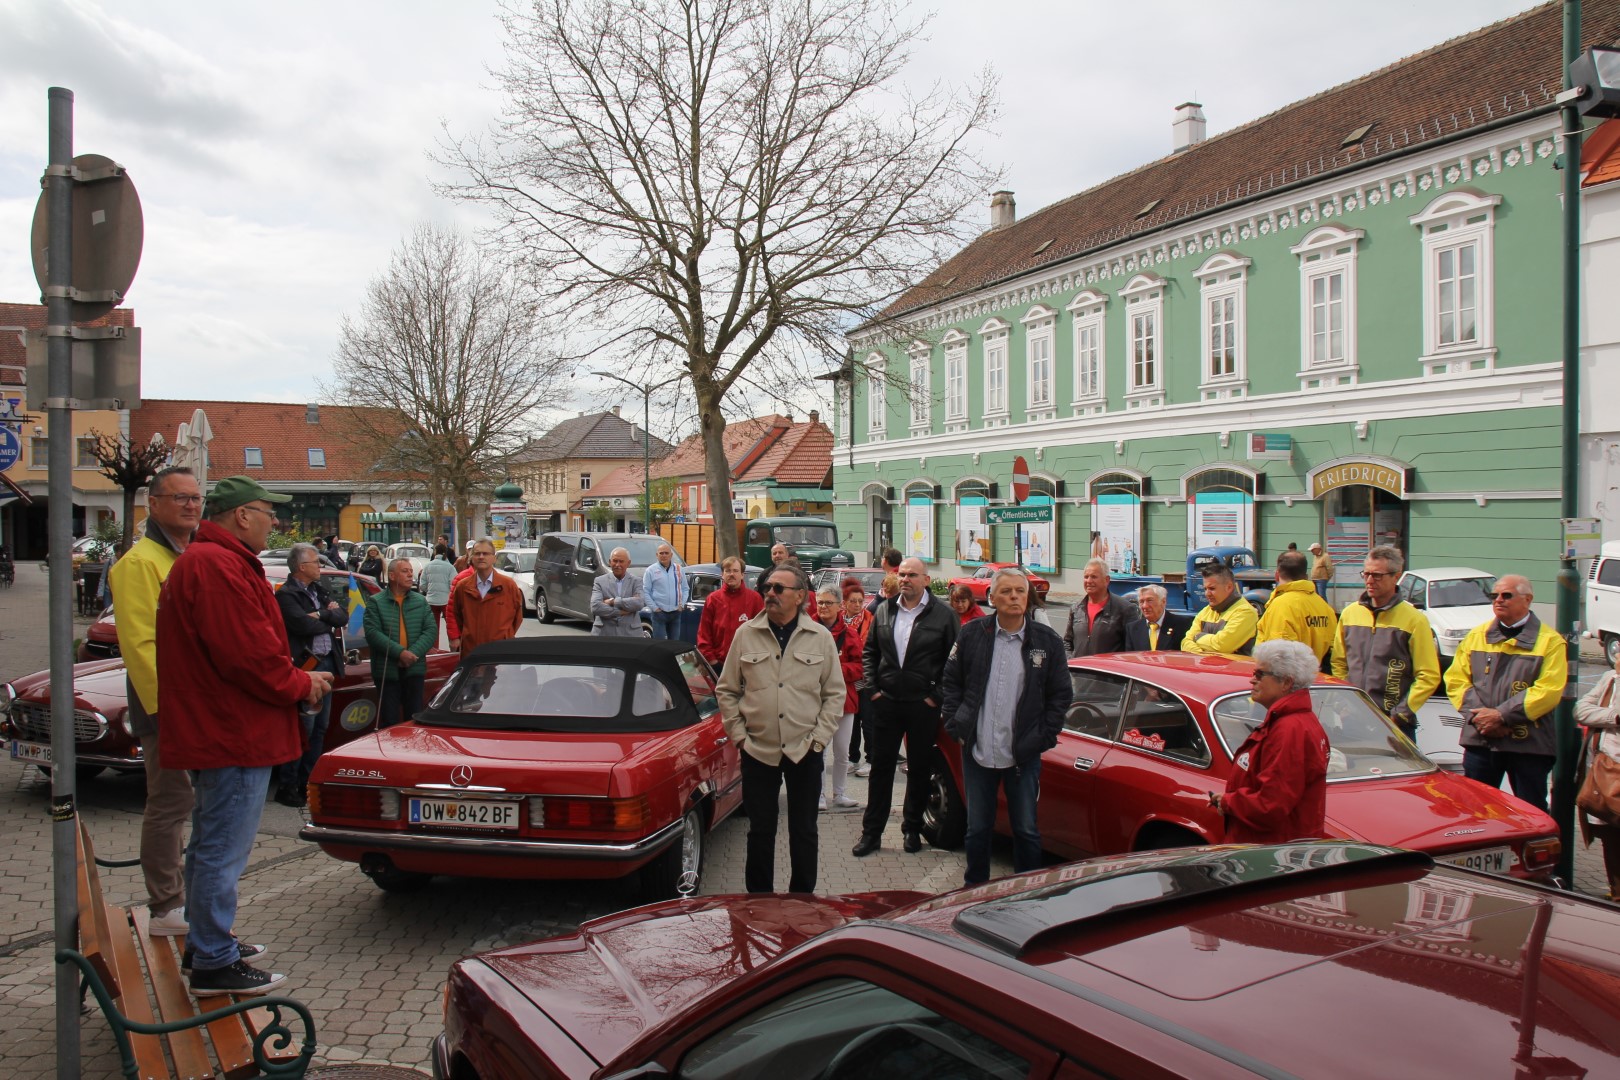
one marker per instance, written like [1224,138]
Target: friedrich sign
[1369,473]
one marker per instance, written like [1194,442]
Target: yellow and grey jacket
[1388,652]
[1296,612]
[1224,631]
[136,580]
[1522,677]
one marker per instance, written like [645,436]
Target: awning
[808,494]
[385,516]
[9,490]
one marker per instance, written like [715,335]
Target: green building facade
[1348,341]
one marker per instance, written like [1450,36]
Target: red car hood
[99,684]
[572,763]
[622,974]
[1433,812]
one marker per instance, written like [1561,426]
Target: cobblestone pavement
[370,965]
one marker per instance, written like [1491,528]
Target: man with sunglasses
[1506,678]
[1385,645]
[781,697]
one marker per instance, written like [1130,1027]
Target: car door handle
[1084,763]
[722,740]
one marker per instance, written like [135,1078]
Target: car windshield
[807,535]
[643,549]
[521,561]
[1460,592]
[411,551]
[540,696]
[1362,742]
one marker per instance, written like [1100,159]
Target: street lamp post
[646,437]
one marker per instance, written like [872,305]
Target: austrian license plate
[464,813]
[31,751]
[1490,860]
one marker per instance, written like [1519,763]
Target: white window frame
[317,457]
[1223,279]
[252,457]
[1454,220]
[1040,356]
[1324,253]
[919,389]
[956,374]
[995,334]
[877,396]
[1143,297]
[1088,310]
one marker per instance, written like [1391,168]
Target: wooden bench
[136,979]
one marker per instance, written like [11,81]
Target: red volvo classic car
[1150,734]
[1321,959]
[549,757]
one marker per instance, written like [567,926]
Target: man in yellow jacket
[174,506]
[1385,645]
[1507,678]
[1296,612]
[1226,625]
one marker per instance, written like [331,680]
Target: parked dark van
[568,563]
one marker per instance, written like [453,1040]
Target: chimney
[815,416]
[615,410]
[1188,128]
[1003,211]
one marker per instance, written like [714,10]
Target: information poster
[920,528]
[972,534]
[1116,532]
[1040,538]
[1220,518]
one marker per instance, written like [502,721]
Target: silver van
[568,564]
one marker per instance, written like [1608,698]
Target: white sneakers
[170,924]
[844,802]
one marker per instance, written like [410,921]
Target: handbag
[1600,791]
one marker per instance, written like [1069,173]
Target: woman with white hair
[1278,788]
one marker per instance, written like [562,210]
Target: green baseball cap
[234,491]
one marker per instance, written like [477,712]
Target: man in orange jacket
[488,606]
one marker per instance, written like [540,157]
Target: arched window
[1039,540]
[1220,506]
[1116,520]
[973,535]
[919,541]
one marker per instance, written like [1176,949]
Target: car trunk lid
[572,763]
[1405,811]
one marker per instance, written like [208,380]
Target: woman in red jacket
[967,609]
[1278,788]
[830,613]
[859,620]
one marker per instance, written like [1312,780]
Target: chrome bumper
[492,845]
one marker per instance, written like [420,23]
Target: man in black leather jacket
[315,625]
[911,636]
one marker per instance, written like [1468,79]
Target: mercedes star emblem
[461,775]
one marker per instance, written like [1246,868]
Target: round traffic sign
[108,231]
[1020,480]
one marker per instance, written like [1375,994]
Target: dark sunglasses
[778,587]
[1503,595]
[1261,673]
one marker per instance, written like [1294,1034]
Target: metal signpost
[85,254]
[1020,492]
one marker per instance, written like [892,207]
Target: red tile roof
[1507,70]
[743,440]
[802,457]
[280,431]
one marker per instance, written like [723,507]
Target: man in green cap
[228,693]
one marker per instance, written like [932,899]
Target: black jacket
[1106,634]
[296,609]
[1047,695]
[932,636]
[1172,628]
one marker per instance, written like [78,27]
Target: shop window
[1116,520]
[1220,508]
[973,546]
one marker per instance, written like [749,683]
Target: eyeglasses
[1374,575]
[778,587]
[1262,673]
[180,500]
[826,603]
[271,514]
[1503,595]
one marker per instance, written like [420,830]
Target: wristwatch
[818,747]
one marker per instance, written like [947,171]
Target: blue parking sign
[10,447]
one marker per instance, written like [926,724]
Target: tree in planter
[601,516]
[129,466]
[724,188]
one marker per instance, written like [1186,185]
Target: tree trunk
[129,518]
[717,472]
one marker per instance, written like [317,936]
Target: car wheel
[391,880]
[944,821]
[1611,648]
[678,871]
[1158,836]
[542,609]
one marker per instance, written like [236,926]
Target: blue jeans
[1527,772]
[224,822]
[314,727]
[1023,787]
[665,624]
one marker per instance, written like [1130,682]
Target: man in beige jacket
[781,697]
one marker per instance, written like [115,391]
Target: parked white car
[519,564]
[1455,598]
[1603,600]
[418,554]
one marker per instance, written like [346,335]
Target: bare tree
[129,466]
[727,186]
[445,363]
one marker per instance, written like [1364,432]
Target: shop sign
[1376,474]
[1263,447]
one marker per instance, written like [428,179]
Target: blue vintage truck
[1185,591]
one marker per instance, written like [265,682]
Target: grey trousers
[163,826]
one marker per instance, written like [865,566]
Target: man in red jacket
[725,609]
[228,694]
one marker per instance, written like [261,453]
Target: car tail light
[1542,853]
[627,815]
[352,801]
[537,812]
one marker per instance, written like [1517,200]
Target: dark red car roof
[1202,678]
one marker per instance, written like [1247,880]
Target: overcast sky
[280,150]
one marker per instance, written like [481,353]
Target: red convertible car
[979,581]
[1150,734]
[103,736]
[1322,959]
[547,757]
